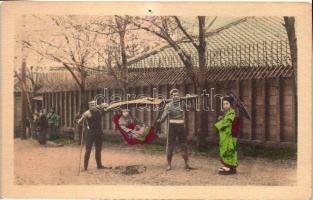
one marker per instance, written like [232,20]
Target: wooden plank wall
[271,104]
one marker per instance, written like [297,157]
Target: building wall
[271,104]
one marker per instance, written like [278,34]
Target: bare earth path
[35,164]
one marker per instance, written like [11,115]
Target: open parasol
[239,104]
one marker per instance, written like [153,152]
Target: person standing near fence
[41,127]
[227,140]
[53,123]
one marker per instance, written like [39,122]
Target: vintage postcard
[156,100]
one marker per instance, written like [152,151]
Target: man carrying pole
[174,111]
[94,133]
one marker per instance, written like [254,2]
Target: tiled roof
[252,38]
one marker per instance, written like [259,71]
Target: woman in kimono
[227,141]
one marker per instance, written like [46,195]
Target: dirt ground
[35,164]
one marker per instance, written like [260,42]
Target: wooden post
[62,107]
[106,114]
[164,126]
[48,101]
[265,109]
[142,113]
[214,107]
[252,104]
[70,109]
[111,93]
[53,101]
[279,110]
[56,101]
[74,103]
[151,113]
[66,114]
[238,93]
[44,95]
[195,127]
[24,99]
[294,113]
[65,111]
[56,109]
[56,106]
[186,116]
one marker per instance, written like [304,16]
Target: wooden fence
[271,103]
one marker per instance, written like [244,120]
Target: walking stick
[81,147]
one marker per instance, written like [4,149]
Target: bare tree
[29,83]
[121,45]
[26,101]
[166,28]
[71,46]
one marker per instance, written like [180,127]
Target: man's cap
[174,91]
[92,102]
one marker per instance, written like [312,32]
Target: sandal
[224,171]
[220,169]
[189,168]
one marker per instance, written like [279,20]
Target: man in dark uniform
[174,112]
[94,133]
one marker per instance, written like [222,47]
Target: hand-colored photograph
[156,101]
[161,100]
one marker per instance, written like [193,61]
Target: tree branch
[185,32]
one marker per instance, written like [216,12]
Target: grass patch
[155,147]
[211,150]
[272,153]
[62,140]
[114,139]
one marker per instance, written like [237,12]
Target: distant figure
[41,126]
[53,123]
[35,123]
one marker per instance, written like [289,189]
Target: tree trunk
[202,120]
[202,115]
[83,101]
[124,69]
[290,28]
[83,107]
[292,39]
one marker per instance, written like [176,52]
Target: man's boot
[86,160]
[98,160]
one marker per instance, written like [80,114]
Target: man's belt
[176,121]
